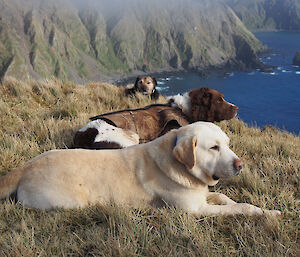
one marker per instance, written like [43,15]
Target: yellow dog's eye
[216,148]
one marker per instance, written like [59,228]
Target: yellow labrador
[175,168]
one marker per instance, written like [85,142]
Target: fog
[110,6]
[115,7]
[143,10]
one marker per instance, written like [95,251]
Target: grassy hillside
[39,116]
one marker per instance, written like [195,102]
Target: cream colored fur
[175,169]
[182,102]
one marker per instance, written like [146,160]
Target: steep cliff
[268,14]
[91,40]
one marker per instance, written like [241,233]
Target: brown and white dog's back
[98,134]
[152,121]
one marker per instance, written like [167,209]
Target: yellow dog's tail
[9,183]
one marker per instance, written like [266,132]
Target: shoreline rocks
[296,60]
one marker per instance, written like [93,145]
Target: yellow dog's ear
[185,151]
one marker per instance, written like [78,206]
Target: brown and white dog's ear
[154,81]
[185,151]
[136,82]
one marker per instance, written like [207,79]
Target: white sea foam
[162,88]
[160,83]
[270,73]
[297,72]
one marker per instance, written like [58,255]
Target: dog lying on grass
[145,85]
[175,169]
[153,121]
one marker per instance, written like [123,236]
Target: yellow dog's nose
[238,164]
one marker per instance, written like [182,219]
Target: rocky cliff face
[268,14]
[91,40]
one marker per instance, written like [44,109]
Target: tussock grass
[39,116]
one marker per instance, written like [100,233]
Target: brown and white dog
[152,121]
[146,85]
[175,169]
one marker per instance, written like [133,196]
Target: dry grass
[38,116]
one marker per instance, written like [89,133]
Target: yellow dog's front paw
[274,213]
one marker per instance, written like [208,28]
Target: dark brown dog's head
[209,105]
[145,85]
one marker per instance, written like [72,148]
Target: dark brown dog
[146,85]
[150,122]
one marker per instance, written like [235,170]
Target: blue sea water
[263,98]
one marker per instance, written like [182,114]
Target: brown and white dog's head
[204,104]
[204,150]
[145,85]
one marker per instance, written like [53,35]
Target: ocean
[263,98]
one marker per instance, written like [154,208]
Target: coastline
[224,69]
[272,30]
[205,73]
[265,97]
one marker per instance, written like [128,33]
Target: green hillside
[104,40]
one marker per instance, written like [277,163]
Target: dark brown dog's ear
[154,81]
[201,105]
[185,151]
[155,95]
[130,91]
[207,98]
[136,82]
[201,96]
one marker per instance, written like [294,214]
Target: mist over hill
[268,14]
[92,40]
